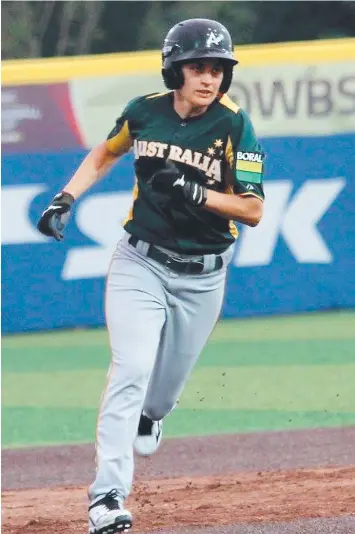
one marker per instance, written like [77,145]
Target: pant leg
[135,314]
[194,308]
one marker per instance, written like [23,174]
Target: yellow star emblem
[218,143]
[211,151]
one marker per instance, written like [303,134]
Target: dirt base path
[252,483]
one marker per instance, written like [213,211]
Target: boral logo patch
[250,156]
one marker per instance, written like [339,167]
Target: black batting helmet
[196,39]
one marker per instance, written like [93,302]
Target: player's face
[202,80]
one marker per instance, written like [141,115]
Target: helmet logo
[212,38]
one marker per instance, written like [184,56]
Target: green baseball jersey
[218,148]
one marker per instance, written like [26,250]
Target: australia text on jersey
[154,149]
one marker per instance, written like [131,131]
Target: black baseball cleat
[108,516]
[149,436]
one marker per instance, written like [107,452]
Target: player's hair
[196,39]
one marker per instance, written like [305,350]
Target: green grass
[49,426]
[255,374]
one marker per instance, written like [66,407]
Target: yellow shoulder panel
[135,192]
[229,152]
[121,142]
[228,103]
[233,229]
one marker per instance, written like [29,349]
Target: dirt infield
[280,482]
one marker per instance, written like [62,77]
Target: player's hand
[194,193]
[55,217]
[171,181]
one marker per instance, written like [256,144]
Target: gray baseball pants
[158,323]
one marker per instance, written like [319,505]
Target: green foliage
[254,374]
[239,17]
[52,28]
[49,28]
[18,40]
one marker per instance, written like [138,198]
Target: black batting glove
[193,193]
[56,216]
[171,181]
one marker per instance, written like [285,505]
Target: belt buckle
[185,266]
[194,269]
[172,261]
[168,262]
[176,264]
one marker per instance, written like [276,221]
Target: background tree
[239,17]
[35,29]
[51,28]
[296,21]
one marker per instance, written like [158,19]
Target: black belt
[178,265]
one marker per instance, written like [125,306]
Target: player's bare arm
[247,210]
[95,165]
[100,160]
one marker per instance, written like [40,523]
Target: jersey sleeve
[120,140]
[246,157]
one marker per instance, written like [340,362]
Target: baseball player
[198,168]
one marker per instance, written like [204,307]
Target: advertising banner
[38,118]
[301,256]
[281,99]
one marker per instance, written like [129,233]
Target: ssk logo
[250,156]
[95,213]
[213,39]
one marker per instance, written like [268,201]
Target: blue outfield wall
[300,258]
